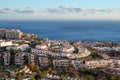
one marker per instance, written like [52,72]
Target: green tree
[12,51]
[1,50]
[50,71]
[12,57]
[23,73]
[88,77]
[119,77]
[16,70]
[64,75]
[113,77]
[18,76]
[32,77]
[34,68]
[94,55]
[38,76]
[101,77]
[44,72]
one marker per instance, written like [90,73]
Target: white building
[39,52]
[48,53]
[43,47]
[61,63]
[77,64]
[68,49]
[22,47]
[83,53]
[4,43]
[98,63]
[59,42]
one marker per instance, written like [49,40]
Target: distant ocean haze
[69,30]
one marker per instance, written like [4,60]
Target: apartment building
[13,34]
[68,49]
[31,58]
[61,63]
[6,58]
[78,64]
[43,61]
[47,53]
[39,52]
[2,32]
[19,58]
[98,63]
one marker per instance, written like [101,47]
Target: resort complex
[26,57]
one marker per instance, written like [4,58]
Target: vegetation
[34,68]
[23,73]
[32,77]
[38,76]
[28,50]
[64,75]
[88,77]
[12,57]
[2,49]
[18,76]
[94,55]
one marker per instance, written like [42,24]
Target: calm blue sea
[69,30]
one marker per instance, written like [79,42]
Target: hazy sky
[59,9]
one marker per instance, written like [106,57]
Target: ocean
[69,30]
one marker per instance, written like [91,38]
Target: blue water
[69,30]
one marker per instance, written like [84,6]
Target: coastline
[72,40]
[69,30]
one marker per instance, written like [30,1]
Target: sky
[59,9]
